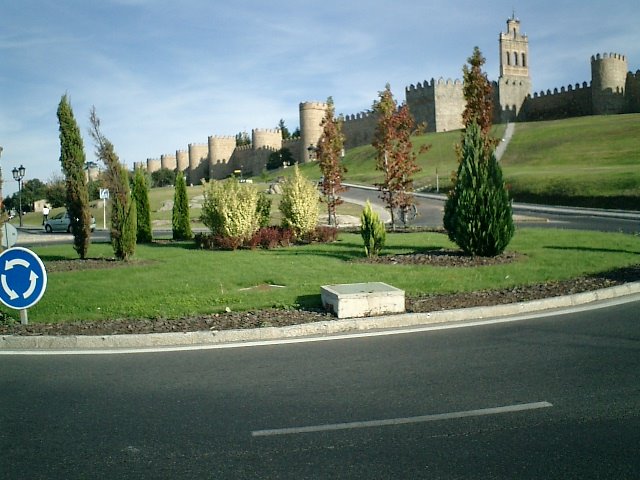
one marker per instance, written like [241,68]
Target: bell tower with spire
[514,83]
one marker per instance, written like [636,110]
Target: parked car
[61,222]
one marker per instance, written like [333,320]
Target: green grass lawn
[172,280]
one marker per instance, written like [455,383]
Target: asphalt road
[414,405]
[430,212]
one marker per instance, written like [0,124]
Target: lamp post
[312,152]
[18,175]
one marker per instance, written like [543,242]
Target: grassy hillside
[586,161]
[590,161]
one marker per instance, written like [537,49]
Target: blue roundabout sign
[23,278]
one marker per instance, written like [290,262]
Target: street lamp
[313,151]
[18,175]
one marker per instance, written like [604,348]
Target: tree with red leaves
[394,152]
[329,151]
[478,95]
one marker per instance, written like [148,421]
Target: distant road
[431,210]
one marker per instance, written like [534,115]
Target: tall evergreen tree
[180,218]
[72,159]
[394,152]
[143,210]
[123,207]
[330,148]
[478,216]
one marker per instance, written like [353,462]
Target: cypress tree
[180,216]
[143,210]
[123,208]
[72,158]
[478,215]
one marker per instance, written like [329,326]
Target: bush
[263,210]
[230,209]
[372,231]
[299,205]
[267,238]
[478,215]
[325,234]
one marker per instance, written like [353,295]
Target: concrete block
[351,300]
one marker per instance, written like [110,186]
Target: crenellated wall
[437,104]
[359,129]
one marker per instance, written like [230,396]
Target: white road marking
[401,421]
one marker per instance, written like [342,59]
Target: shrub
[372,231]
[325,234]
[299,205]
[230,209]
[263,210]
[478,215]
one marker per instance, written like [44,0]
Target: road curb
[17,343]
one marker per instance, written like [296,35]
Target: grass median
[172,280]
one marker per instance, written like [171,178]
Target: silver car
[61,222]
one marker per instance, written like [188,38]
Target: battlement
[569,88]
[313,105]
[274,131]
[429,85]
[222,137]
[608,56]
[358,116]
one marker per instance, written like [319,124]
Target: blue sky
[163,74]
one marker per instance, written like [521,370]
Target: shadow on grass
[181,244]
[591,249]
[311,302]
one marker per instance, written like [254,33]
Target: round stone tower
[608,79]
[311,115]
[266,138]
[182,161]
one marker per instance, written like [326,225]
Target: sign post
[23,280]
[104,195]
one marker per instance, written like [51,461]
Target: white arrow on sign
[9,264]
[7,289]
[33,279]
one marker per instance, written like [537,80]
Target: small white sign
[9,235]
[104,194]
